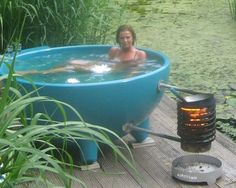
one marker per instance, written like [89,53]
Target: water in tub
[100,69]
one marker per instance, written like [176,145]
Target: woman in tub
[123,56]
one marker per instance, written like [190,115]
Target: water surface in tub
[100,71]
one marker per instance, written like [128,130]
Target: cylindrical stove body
[196,122]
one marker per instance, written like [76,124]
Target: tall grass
[56,22]
[20,160]
[232,8]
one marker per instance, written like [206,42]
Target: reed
[232,8]
[55,23]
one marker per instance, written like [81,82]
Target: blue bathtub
[110,103]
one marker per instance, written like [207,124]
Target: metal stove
[196,119]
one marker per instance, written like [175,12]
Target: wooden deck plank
[156,169]
[115,175]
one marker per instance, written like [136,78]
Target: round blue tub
[110,103]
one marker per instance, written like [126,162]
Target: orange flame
[195,112]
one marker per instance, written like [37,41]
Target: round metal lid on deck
[197,169]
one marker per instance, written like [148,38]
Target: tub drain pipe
[162,85]
[176,91]
[130,127]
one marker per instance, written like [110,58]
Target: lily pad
[231,101]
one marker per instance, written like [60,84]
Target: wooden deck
[154,162]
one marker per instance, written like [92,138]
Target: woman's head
[122,29]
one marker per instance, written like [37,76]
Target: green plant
[20,160]
[232,8]
[226,118]
[56,22]
[228,127]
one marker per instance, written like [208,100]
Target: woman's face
[125,39]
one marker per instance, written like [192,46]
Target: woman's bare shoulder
[113,51]
[141,54]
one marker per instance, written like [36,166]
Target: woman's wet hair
[125,28]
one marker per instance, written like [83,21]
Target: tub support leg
[142,138]
[88,155]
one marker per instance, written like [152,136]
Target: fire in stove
[196,122]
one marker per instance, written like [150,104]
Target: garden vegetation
[232,8]
[56,22]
